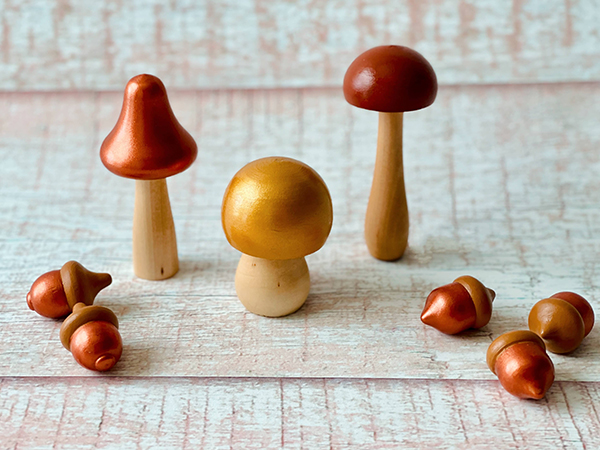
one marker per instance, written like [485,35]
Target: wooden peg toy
[148,144]
[562,321]
[390,79]
[55,293]
[275,211]
[91,334]
[520,361]
[455,307]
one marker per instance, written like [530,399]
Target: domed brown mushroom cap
[390,78]
[147,143]
[277,208]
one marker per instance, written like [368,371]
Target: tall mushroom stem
[386,223]
[272,288]
[154,241]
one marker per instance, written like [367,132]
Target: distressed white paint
[502,184]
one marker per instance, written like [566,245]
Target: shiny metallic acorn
[463,304]
[520,361]
[562,321]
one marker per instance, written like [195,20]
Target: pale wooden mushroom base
[154,242]
[272,288]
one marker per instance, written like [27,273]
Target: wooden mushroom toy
[149,145]
[562,321]
[455,307]
[390,79]
[520,361]
[275,211]
[91,334]
[55,293]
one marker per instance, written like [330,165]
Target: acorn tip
[105,362]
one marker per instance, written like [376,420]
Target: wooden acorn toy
[464,303]
[148,144]
[520,361]
[91,334]
[275,211]
[392,80]
[55,293]
[562,321]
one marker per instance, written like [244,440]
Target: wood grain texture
[84,413]
[501,181]
[87,44]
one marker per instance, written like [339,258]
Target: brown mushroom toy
[55,293]
[464,303]
[520,361]
[392,80]
[149,145]
[275,211]
[562,321]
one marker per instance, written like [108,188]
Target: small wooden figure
[390,79]
[520,361]
[275,211]
[455,307]
[562,321]
[55,293]
[149,145]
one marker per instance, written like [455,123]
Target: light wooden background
[502,184]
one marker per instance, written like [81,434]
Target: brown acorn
[520,361]
[55,293]
[91,334]
[455,307]
[562,321]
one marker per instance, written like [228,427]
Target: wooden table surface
[502,184]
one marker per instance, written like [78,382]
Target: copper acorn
[55,293]
[520,361]
[562,321]
[91,334]
[455,307]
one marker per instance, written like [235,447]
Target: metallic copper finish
[525,370]
[147,143]
[449,309]
[97,345]
[47,296]
[507,339]
[81,315]
[482,299]
[558,323]
[390,78]
[277,208]
[582,305]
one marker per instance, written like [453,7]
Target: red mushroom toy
[149,145]
[390,79]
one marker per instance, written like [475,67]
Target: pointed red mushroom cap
[390,78]
[147,143]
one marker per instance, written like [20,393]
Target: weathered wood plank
[502,184]
[76,44]
[82,413]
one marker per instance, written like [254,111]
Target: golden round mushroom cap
[277,208]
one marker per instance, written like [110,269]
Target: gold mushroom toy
[275,211]
[562,321]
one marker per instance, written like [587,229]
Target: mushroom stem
[154,241]
[386,223]
[272,288]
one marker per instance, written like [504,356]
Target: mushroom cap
[277,208]
[505,340]
[390,78]
[147,143]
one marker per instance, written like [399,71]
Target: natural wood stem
[272,288]
[386,223]
[154,241]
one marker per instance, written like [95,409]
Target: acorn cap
[147,143]
[390,78]
[482,298]
[82,285]
[277,208]
[582,305]
[81,315]
[505,340]
[558,323]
